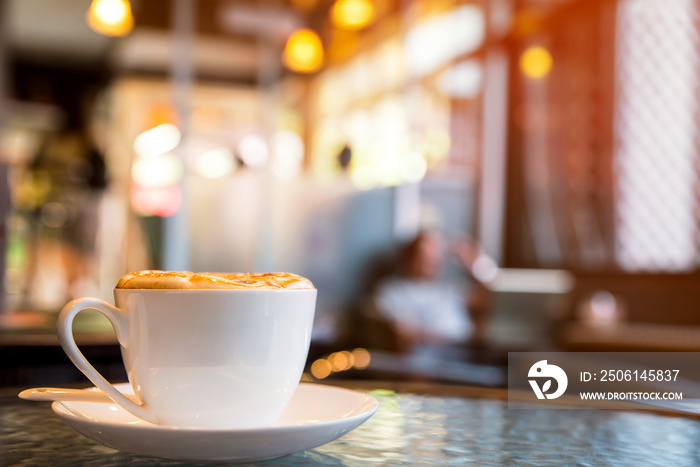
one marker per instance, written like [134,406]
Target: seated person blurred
[411,306]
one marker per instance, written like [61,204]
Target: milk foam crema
[212,280]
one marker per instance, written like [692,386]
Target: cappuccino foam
[212,280]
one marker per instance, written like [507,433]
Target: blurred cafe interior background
[458,178]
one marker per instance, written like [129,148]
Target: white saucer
[316,415]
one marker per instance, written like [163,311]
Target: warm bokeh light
[158,114]
[157,171]
[536,62]
[156,201]
[253,151]
[157,141]
[352,14]
[435,147]
[340,361]
[349,359]
[388,167]
[321,368]
[303,52]
[215,163]
[110,17]
[364,177]
[361,358]
[441,38]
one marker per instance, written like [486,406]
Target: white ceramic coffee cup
[216,359]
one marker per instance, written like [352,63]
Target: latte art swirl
[212,280]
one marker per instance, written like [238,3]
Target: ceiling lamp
[157,141]
[352,14]
[303,52]
[110,17]
[536,62]
[215,163]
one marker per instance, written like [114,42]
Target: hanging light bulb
[352,14]
[536,62]
[110,17]
[303,52]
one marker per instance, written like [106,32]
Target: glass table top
[410,429]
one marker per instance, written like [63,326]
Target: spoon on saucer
[64,394]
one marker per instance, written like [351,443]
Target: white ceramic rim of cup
[219,290]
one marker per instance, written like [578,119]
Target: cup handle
[121,328]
